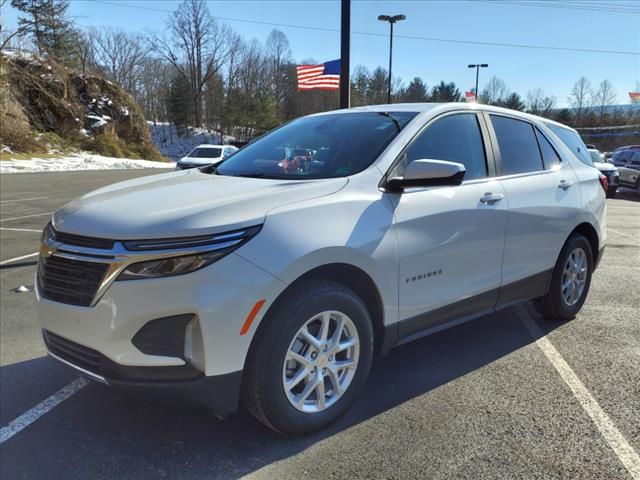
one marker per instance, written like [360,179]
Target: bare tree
[580,97]
[278,55]
[494,92]
[120,54]
[538,103]
[604,97]
[86,51]
[197,47]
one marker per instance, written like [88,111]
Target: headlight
[175,257]
[47,233]
[169,267]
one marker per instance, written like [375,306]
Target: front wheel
[311,358]
[570,281]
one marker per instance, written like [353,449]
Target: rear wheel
[570,281]
[311,359]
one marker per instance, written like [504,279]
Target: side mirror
[428,173]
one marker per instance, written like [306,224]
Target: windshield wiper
[261,175]
[394,119]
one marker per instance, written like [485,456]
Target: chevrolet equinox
[275,278]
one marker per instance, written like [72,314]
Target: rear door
[544,199]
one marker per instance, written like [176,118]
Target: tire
[264,392]
[611,193]
[553,305]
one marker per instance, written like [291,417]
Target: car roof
[444,107]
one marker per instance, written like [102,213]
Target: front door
[450,239]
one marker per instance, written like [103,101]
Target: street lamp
[391,19]
[477,66]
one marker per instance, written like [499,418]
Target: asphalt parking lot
[506,396]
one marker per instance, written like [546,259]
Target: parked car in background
[630,170]
[608,170]
[621,156]
[278,287]
[205,155]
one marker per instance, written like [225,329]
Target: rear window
[205,152]
[573,142]
[518,145]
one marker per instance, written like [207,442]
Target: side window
[573,142]
[549,156]
[456,138]
[518,145]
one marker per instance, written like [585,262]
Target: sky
[573,24]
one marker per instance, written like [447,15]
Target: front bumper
[219,297]
[181,384]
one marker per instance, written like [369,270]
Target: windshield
[573,141]
[325,146]
[205,152]
[596,156]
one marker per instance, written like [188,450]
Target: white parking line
[21,229]
[27,216]
[23,200]
[625,452]
[15,259]
[27,418]
[620,233]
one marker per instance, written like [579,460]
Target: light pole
[391,19]
[477,66]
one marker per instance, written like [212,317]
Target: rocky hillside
[48,108]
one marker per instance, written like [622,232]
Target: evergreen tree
[446,92]
[512,101]
[52,32]
[416,91]
[179,104]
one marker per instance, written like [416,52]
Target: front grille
[70,281]
[81,241]
[74,353]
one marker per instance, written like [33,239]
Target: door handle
[491,198]
[565,185]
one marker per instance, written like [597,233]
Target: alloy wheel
[574,277]
[321,361]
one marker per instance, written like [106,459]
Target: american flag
[325,76]
[470,96]
[635,97]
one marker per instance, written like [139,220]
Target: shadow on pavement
[627,194]
[18,264]
[101,433]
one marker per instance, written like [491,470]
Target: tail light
[604,182]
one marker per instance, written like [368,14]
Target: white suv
[279,276]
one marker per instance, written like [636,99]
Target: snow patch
[80,161]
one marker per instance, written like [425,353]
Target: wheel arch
[591,234]
[353,278]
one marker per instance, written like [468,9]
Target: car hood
[604,167]
[199,160]
[181,204]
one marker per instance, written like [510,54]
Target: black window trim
[537,130]
[498,155]
[486,143]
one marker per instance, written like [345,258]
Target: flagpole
[345,37]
